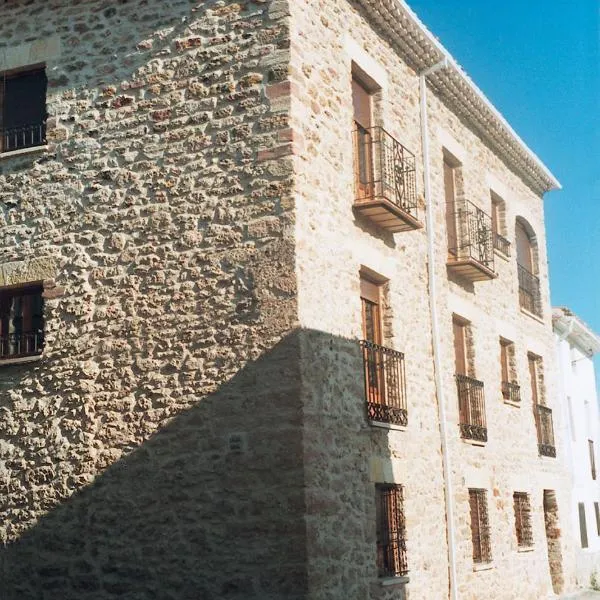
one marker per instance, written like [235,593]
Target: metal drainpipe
[433,302]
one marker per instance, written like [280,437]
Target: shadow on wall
[194,512]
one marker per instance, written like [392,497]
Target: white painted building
[576,346]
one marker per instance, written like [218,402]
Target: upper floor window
[391,531]
[21,322]
[498,225]
[523,520]
[510,388]
[529,283]
[22,109]
[592,458]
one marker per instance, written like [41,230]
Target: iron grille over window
[529,292]
[471,406]
[501,244]
[473,235]
[21,322]
[511,391]
[480,526]
[391,531]
[545,430]
[385,170]
[22,109]
[385,384]
[523,520]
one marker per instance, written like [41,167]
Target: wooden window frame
[390,530]
[461,354]
[480,526]
[534,377]
[449,168]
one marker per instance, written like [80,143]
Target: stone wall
[154,451]
[330,38]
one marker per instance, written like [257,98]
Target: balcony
[385,180]
[20,138]
[21,345]
[470,242]
[385,384]
[471,408]
[511,392]
[501,244]
[545,430]
[530,297]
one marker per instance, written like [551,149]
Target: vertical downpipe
[433,302]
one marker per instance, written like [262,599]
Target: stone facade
[195,427]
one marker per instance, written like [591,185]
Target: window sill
[20,360]
[474,442]
[382,425]
[23,151]
[512,403]
[388,581]
[483,567]
[534,317]
[501,255]
[525,548]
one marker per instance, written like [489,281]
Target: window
[22,109]
[510,389]
[597,511]
[542,413]
[582,526]
[450,167]
[592,458]
[529,283]
[385,377]
[471,403]
[523,520]
[480,526]
[362,102]
[21,322]
[532,362]
[391,531]
[500,242]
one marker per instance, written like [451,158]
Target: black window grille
[21,322]
[471,408]
[391,531]
[23,109]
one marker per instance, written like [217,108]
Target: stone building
[275,314]
[576,346]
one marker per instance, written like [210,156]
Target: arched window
[527,265]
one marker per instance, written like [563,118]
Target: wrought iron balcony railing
[385,176]
[385,384]
[471,408]
[501,244]
[529,292]
[470,242]
[19,138]
[545,430]
[19,345]
[511,391]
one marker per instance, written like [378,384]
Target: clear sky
[538,61]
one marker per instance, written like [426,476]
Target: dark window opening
[21,322]
[391,531]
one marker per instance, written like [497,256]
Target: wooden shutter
[362,103]
[460,357]
[532,361]
[504,360]
[495,216]
[524,250]
[582,526]
[370,294]
[450,197]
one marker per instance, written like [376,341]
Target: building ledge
[388,426]
[511,403]
[483,567]
[474,442]
[501,255]
[534,317]
[525,548]
[21,360]
[389,581]
[23,151]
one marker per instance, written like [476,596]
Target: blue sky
[538,61]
